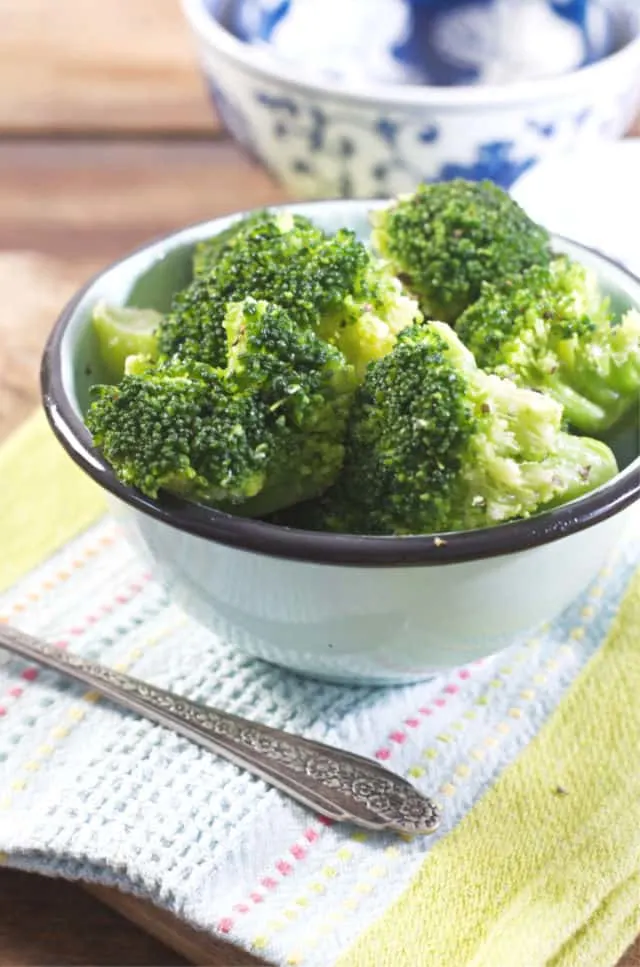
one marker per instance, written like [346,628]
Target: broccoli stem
[578,410]
[583,465]
[626,378]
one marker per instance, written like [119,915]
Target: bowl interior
[149,278]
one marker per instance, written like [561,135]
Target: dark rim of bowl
[309,546]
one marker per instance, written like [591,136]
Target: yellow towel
[46,499]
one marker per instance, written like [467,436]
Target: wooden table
[104,143]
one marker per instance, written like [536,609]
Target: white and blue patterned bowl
[378,140]
[382,610]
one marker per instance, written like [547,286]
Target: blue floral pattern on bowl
[330,143]
[334,149]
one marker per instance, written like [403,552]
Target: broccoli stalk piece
[262,433]
[124,331]
[435,444]
[328,284]
[552,330]
[447,238]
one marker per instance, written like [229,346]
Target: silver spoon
[337,784]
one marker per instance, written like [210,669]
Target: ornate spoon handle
[335,783]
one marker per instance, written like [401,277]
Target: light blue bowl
[327,140]
[352,609]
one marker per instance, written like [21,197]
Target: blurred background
[107,136]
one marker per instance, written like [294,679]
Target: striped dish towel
[532,754]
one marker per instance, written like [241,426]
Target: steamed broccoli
[328,283]
[124,331]
[435,444]
[299,230]
[174,426]
[297,377]
[194,328]
[551,329]
[447,238]
[263,432]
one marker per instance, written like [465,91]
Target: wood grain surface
[101,199]
[50,922]
[99,66]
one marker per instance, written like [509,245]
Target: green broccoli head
[308,277]
[297,230]
[175,426]
[367,322]
[262,433]
[552,329]
[290,367]
[194,327]
[250,258]
[447,238]
[330,284]
[435,444]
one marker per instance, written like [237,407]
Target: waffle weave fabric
[92,793]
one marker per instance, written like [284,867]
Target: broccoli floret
[367,323]
[307,387]
[447,238]
[435,444]
[208,253]
[222,268]
[551,329]
[309,278]
[289,367]
[175,426]
[329,284]
[194,328]
[263,432]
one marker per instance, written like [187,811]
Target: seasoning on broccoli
[264,432]
[551,329]
[435,444]
[447,238]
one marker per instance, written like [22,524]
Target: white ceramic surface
[592,196]
[386,624]
[376,140]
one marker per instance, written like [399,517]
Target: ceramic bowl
[351,609]
[328,141]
